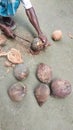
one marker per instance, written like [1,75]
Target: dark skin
[7,31]
[34,21]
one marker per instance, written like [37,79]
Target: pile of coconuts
[58,87]
[48,86]
[18,91]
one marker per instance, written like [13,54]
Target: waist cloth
[8,7]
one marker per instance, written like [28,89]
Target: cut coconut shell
[41,93]
[21,71]
[17,91]
[14,56]
[44,73]
[2,53]
[60,88]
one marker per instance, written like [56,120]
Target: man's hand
[7,31]
[44,39]
[34,21]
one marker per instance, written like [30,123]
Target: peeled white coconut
[57,35]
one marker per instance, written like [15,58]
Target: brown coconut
[41,93]
[21,71]
[44,73]
[17,91]
[60,88]
[57,35]
[37,44]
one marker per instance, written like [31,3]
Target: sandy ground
[55,114]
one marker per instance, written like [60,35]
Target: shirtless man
[8,8]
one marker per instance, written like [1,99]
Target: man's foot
[2,40]
[8,21]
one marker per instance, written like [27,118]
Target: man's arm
[34,21]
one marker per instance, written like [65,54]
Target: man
[9,7]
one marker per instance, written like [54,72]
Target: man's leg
[8,21]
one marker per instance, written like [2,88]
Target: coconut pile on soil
[57,87]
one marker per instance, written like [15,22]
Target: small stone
[14,56]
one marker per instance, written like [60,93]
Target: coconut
[37,44]
[57,35]
[21,71]
[42,92]
[44,73]
[60,88]
[17,91]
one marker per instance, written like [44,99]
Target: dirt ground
[55,114]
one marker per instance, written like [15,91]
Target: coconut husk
[60,88]
[14,56]
[3,53]
[8,63]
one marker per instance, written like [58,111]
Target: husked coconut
[57,35]
[17,91]
[37,44]
[60,88]
[21,71]
[44,73]
[42,92]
